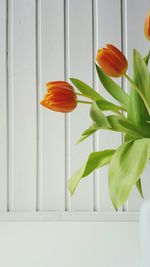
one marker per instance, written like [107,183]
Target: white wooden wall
[44,40]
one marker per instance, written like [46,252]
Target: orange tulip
[112,61]
[147,26]
[60,97]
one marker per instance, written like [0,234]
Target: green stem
[80,94]
[120,114]
[138,90]
[135,86]
[84,102]
[131,81]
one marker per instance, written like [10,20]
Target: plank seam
[38,109]
[123,10]
[95,86]
[67,116]
[10,116]
[7,104]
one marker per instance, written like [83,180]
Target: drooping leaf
[108,106]
[94,161]
[113,88]
[98,116]
[126,166]
[139,187]
[120,124]
[114,122]
[91,130]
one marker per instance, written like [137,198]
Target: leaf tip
[70,188]
[79,141]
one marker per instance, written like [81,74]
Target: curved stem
[80,94]
[134,85]
[120,114]
[84,102]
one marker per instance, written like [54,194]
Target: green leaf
[86,90]
[94,161]
[114,122]
[142,78]
[98,116]
[139,187]
[137,112]
[113,88]
[91,130]
[106,105]
[128,137]
[126,166]
[146,58]
[117,124]
[89,92]
[120,124]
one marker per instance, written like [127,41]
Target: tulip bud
[60,97]
[112,61]
[147,26]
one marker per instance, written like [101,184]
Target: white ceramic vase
[145,232]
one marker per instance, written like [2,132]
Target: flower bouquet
[131,116]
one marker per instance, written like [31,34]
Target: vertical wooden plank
[67,116]
[22,105]
[109,31]
[95,86]
[80,48]
[136,39]
[52,135]
[3,105]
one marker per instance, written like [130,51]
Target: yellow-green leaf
[94,161]
[113,88]
[141,76]
[86,90]
[126,166]
[98,116]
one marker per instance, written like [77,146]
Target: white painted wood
[69,244]
[145,233]
[67,116]
[3,106]
[95,86]
[109,31]
[70,216]
[136,39]
[54,40]
[22,105]
[52,136]
[80,48]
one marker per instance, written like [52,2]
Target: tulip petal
[60,97]
[112,61]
